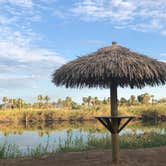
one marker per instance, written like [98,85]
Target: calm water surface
[31,135]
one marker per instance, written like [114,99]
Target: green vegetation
[9,151]
[17,110]
[78,144]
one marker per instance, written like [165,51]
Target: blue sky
[38,36]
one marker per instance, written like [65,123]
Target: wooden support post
[113,98]
[115,123]
[115,148]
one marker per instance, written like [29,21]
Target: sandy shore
[139,157]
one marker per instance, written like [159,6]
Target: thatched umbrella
[111,67]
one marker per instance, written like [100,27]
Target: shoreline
[129,157]
[59,120]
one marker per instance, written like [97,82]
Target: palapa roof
[114,63]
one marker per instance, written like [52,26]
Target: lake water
[31,135]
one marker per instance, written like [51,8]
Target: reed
[93,142]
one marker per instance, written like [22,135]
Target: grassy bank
[71,144]
[85,113]
[44,128]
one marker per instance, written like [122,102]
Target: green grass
[78,144]
[9,151]
[126,142]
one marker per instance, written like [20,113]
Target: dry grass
[85,113]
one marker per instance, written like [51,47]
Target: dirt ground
[139,157]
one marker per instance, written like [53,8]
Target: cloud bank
[144,15]
[23,62]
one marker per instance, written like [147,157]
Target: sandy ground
[139,157]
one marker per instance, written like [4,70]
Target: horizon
[37,37]
[51,100]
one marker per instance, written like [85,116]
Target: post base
[115,148]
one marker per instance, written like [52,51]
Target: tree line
[43,102]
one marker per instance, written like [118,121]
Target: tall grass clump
[77,143]
[71,143]
[9,151]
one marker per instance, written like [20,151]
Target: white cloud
[144,15]
[96,9]
[23,62]
[22,3]
[17,82]
[18,53]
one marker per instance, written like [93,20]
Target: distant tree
[89,100]
[10,101]
[144,98]
[140,98]
[132,100]
[104,101]
[123,101]
[85,100]
[40,98]
[14,103]
[162,100]
[46,98]
[92,101]
[74,105]
[97,101]
[5,100]
[20,103]
[68,101]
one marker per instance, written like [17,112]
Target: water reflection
[30,134]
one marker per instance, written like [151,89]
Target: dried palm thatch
[111,64]
[111,67]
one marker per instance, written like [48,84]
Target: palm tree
[11,103]
[132,99]
[5,100]
[85,100]
[20,103]
[46,98]
[68,101]
[40,98]
[123,101]
[14,103]
[89,100]
[96,101]
[105,101]
[146,99]
[140,98]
